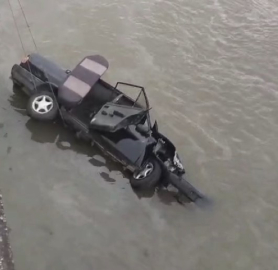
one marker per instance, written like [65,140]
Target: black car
[116,119]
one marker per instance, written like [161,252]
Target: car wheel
[148,177]
[42,106]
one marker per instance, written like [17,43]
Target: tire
[46,112]
[150,180]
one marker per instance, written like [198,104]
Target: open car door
[112,117]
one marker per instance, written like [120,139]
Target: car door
[113,122]
[112,117]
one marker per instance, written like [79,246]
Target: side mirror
[155,127]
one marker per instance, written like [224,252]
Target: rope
[28,26]
[21,42]
[36,47]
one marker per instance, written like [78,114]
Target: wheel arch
[47,86]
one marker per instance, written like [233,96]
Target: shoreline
[6,256]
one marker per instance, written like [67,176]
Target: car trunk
[44,69]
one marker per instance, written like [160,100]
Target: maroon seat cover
[80,81]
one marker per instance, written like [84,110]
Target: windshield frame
[139,95]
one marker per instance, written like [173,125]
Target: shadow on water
[107,178]
[64,139]
[170,196]
[18,101]
[166,196]
[142,193]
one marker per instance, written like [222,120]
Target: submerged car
[116,119]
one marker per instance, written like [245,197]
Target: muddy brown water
[210,71]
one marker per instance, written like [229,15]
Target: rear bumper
[25,79]
[185,188]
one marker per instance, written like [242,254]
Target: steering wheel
[117,98]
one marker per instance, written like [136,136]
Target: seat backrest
[79,82]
